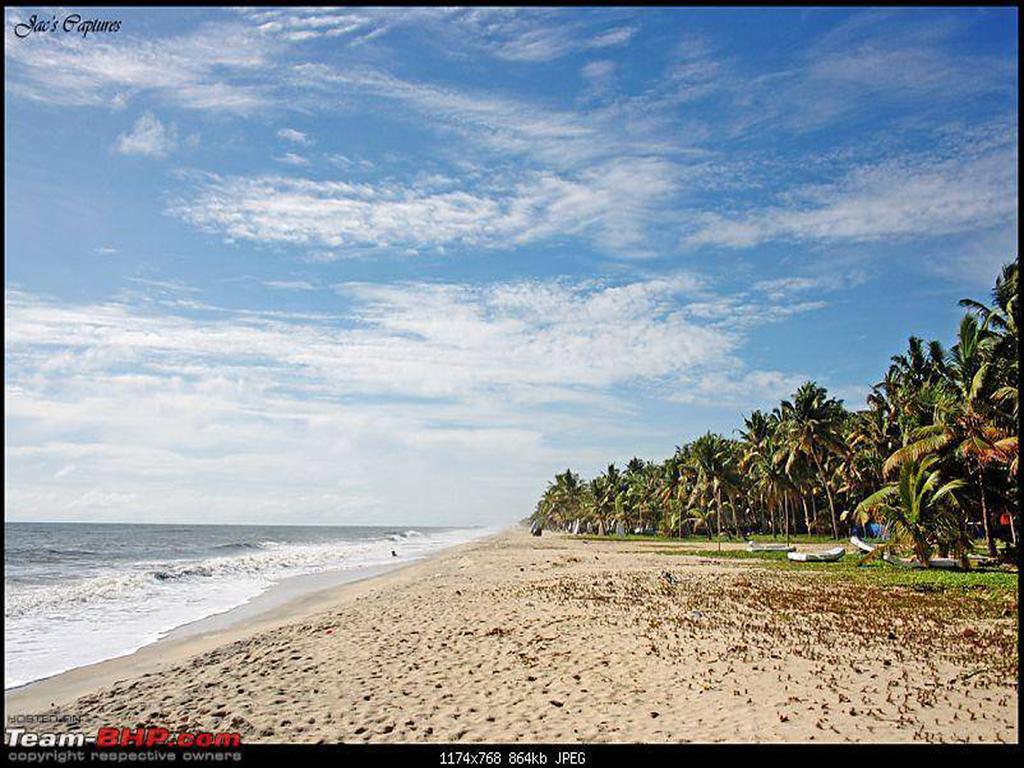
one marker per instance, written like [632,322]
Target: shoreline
[511,638]
[281,604]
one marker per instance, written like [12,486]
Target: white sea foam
[56,626]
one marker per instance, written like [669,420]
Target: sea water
[75,594]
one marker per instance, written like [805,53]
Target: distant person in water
[393,553]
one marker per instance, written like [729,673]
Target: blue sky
[400,266]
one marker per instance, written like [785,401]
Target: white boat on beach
[863,546]
[936,562]
[828,556]
[764,546]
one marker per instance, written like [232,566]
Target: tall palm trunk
[807,517]
[718,503]
[785,516]
[828,493]
[989,539]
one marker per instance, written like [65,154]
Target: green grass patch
[796,538]
[876,573]
[731,554]
[639,537]
[802,538]
[885,575]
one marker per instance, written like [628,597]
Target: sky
[359,266]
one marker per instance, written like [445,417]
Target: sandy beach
[560,639]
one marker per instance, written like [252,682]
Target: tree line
[933,457]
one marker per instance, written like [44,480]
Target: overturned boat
[862,545]
[763,546]
[946,563]
[828,556]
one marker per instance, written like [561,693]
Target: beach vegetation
[928,465]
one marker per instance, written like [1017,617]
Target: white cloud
[887,201]
[294,136]
[213,67]
[533,42]
[753,389]
[64,471]
[780,288]
[509,34]
[351,26]
[148,137]
[613,204]
[238,415]
[531,36]
[598,70]
[613,37]
[290,158]
[223,65]
[414,339]
[290,285]
[881,53]
[860,70]
[597,174]
[976,258]
[503,124]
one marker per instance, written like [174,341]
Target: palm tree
[1003,317]
[954,412]
[713,463]
[910,382]
[810,429]
[701,516]
[674,488]
[919,510]
[637,489]
[871,436]
[595,495]
[1001,321]
[961,420]
[564,500]
[757,458]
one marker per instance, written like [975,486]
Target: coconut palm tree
[872,435]
[564,500]
[714,467]
[1001,321]
[961,419]
[637,490]
[674,489]
[702,516]
[910,382]
[920,511]
[758,449]
[810,428]
[954,412]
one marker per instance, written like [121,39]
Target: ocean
[78,593]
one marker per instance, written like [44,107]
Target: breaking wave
[84,615]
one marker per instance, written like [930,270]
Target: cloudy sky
[400,266]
